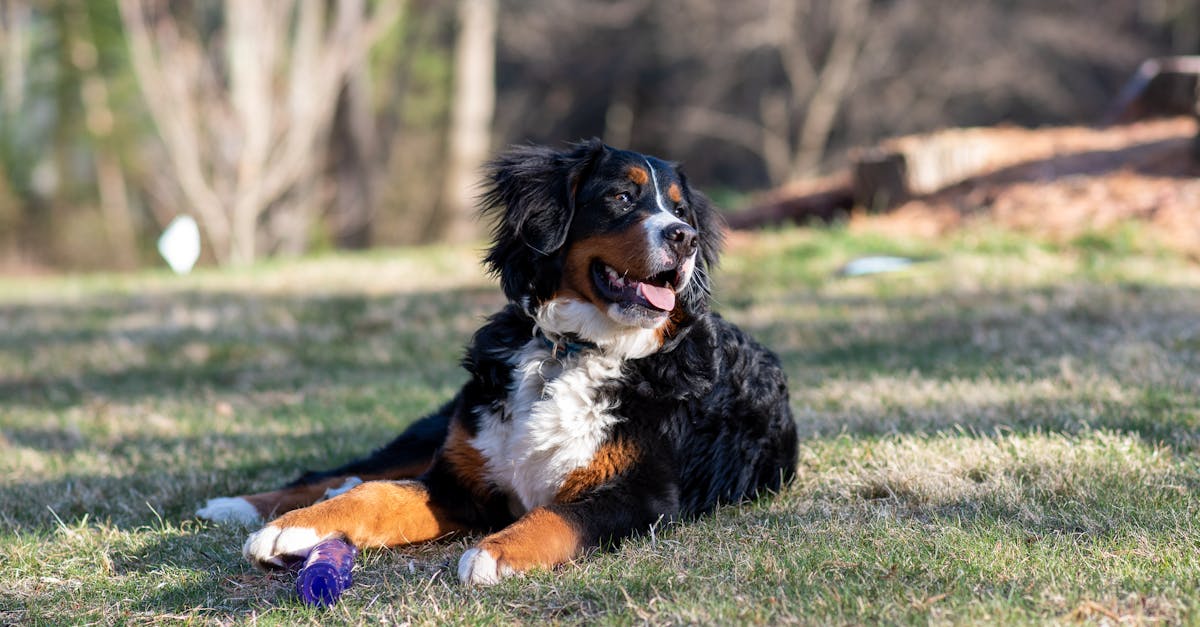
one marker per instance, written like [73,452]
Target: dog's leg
[542,537]
[251,509]
[376,513]
[405,457]
[620,493]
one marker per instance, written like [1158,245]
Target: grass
[1008,431]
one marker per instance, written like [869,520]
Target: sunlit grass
[1007,431]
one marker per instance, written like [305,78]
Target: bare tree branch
[740,131]
[241,147]
[850,21]
[784,24]
[171,107]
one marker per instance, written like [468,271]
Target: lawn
[1007,431]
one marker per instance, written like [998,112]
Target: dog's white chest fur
[554,422]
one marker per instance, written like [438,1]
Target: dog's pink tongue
[661,297]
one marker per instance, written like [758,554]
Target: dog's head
[600,243]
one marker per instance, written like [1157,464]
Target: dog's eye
[680,211]
[624,198]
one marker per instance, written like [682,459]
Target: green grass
[1008,431]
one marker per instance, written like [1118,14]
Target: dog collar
[565,347]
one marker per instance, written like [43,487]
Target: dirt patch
[1057,183]
[1091,180]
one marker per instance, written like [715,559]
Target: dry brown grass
[1007,432]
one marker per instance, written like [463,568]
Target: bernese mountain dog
[604,398]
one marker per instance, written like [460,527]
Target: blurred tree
[1180,19]
[412,95]
[15,20]
[15,28]
[283,124]
[818,46]
[388,143]
[471,117]
[244,130]
[61,144]
[353,150]
[100,123]
[756,92]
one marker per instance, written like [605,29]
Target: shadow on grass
[182,345]
[167,344]
[1132,333]
[1073,357]
[153,491]
[200,348]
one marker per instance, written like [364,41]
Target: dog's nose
[682,238]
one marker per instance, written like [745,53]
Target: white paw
[230,509]
[350,482]
[277,547]
[478,567]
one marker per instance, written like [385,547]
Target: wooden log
[907,167]
[920,166]
[821,200]
[880,180]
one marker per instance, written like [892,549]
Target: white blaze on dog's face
[630,252]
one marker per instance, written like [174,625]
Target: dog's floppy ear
[531,197]
[535,188]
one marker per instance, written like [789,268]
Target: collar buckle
[565,347]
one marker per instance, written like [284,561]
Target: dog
[604,398]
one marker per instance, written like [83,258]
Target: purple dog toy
[326,572]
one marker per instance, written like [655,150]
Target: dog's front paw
[230,509]
[278,547]
[479,567]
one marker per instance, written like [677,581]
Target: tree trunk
[471,119]
[352,150]
[14,50]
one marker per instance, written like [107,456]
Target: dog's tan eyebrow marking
[638,175]
[674,193]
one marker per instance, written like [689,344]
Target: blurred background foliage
[291,126]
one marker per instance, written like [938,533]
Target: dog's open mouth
[655,293]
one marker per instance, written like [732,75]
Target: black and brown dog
[604,398]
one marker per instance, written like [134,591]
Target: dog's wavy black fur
[703,419]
